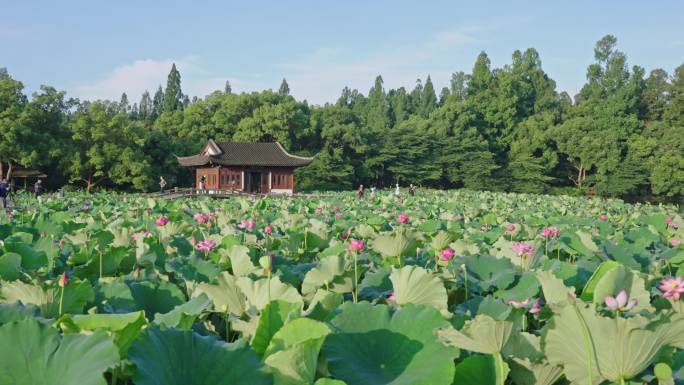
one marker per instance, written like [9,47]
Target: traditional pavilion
[258,168]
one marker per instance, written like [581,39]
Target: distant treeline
[493,128]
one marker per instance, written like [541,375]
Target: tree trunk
[9,171]
[89,185]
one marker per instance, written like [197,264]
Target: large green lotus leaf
[527,287]
[10,266]
[483,334]
[20,243]
[272,318]
[34,354]
[322,303]
[193,269]
[124,328]
[440,241]
[370,347]
[599,273]
[76,295]
[413,284]
[156,297]
[333,273]
[240,262]
[555,291]
[488,273]
[226,295]
[17,312]
[296,365]
[526,372]
[579,243]
[527,361]
[397,245]
[259,292]
[375,283]
[610,349]
[294,349]
[481,370]
[183,315]
[613,279]
[462,247]
[176,357]
[113,296]
[296,331]
[329,381]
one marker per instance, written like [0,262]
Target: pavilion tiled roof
[244,154]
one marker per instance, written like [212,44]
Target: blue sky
[99,49]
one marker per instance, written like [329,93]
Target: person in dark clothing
[38,188]
[3,193]
[359,192]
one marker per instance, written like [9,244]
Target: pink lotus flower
[63,279]
[356,246]
[669,219]
[550,232]
[447,254]
[675,242]
[603,217]
[619,302]
[206,245]
[335,209]
[519,304]
[319,211]
[402,218]
[247,224]
[211,215]
[268,229]
[201,218]
[140,235]
[338,215]
[523,249]
[672,288]
[344,235]
[536,307]
[510,228]
[162,221]
[392,298]
[484,229]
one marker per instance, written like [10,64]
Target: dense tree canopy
[503,128]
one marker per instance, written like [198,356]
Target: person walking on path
[359,192]
[412,189]
[3,193]
[162,184]
[397,191]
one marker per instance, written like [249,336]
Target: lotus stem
[227,316]
[100,264]
[356,278]
[61,301]
[500,367]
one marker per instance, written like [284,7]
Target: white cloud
[148,74]
[320,76]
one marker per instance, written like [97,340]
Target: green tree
[145,107]
[428,99]
[158,103]
[228,89]
[378,106]
[173,95]
[284,89]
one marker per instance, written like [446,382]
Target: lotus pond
[447,287]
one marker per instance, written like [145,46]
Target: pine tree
[284,89]
[228,89]
[428,100]
[124,107]
[173,95]
[378,107]
[157,103]
[145,107]
[444,95]
[416,96]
